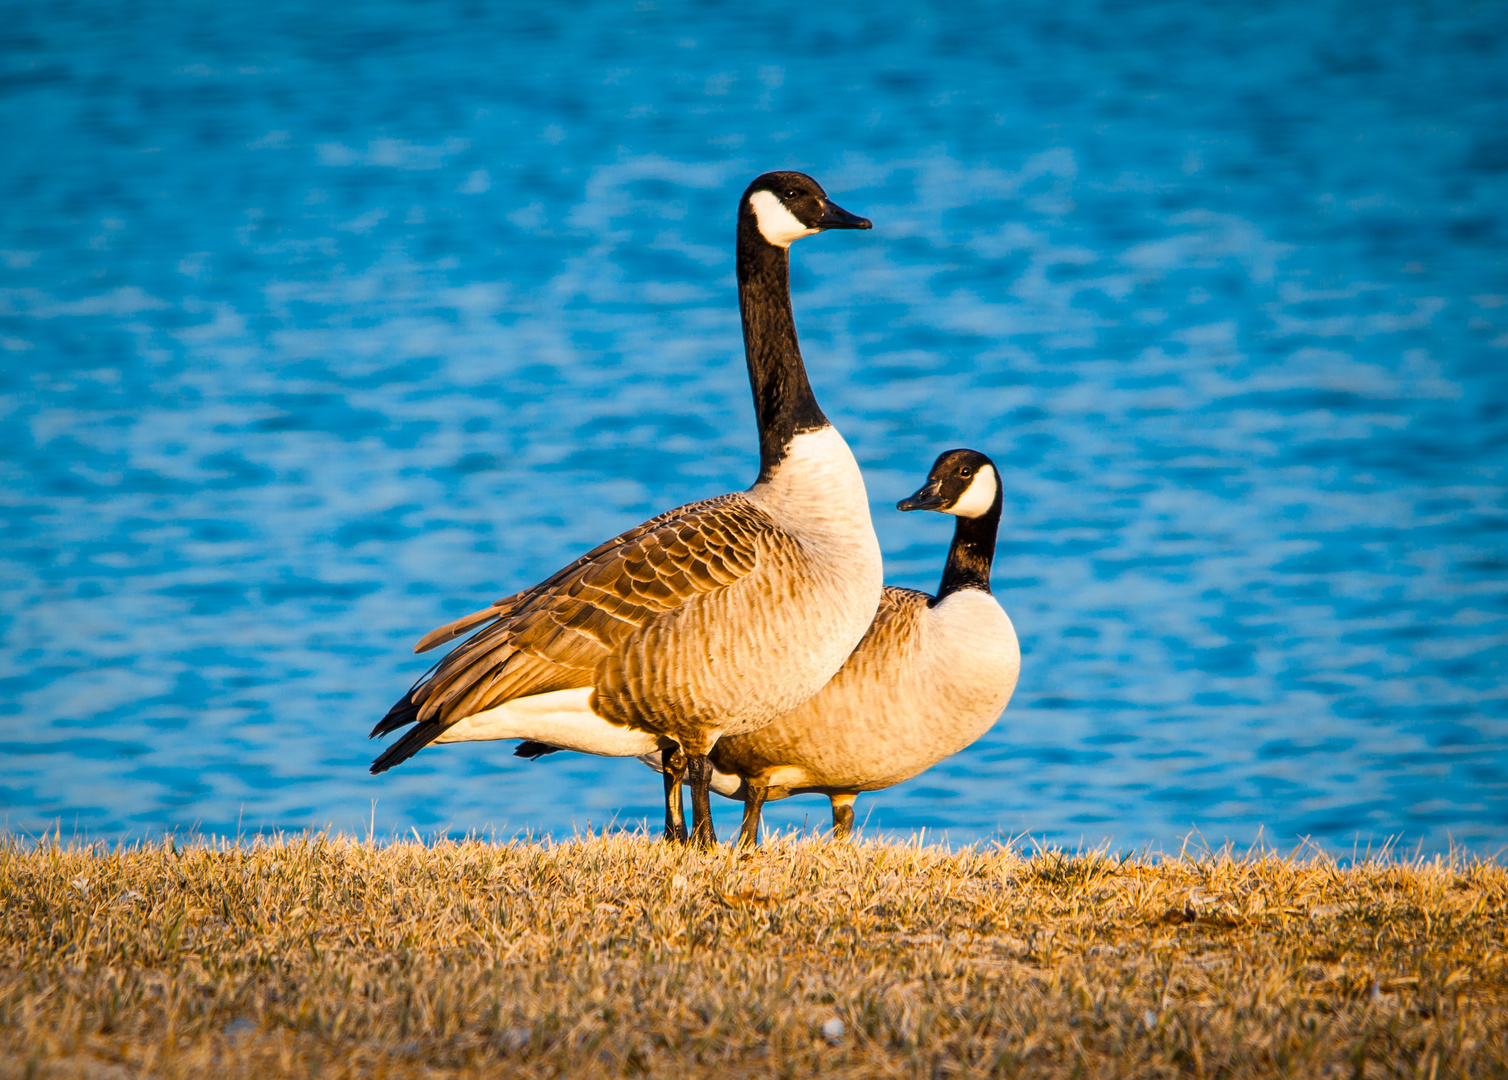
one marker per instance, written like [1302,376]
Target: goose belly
[899,706]
[562,718]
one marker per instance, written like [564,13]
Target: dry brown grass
[619,955]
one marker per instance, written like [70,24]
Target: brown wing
[508,604]
[553,636]
[892,634]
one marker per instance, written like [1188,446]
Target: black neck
[784,404]
[972,553]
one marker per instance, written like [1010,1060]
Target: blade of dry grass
[619,955]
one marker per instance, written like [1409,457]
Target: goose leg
[842,816]
[674,763]
[748,836]
[701,801]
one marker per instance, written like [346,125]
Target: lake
[320,327]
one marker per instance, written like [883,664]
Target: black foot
[748,836]
[702,833]
[673,763]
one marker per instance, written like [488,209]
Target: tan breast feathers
[924,683]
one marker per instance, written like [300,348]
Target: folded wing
[557,634]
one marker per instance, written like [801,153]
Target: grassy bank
[623,956]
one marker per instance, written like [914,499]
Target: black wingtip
[414,740]
[405,710]
[400,715]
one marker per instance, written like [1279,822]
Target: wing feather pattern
[557,634]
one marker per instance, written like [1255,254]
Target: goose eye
[792,193]
[965,472]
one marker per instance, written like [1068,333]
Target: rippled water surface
[321,327]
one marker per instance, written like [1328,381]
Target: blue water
[320,327]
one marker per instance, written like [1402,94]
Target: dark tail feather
[403,713]
[406,711]
[414,740]
[531,749]
[400,715]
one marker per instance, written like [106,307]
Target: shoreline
[618,955]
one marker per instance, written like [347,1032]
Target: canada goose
[709,620]
[930,677]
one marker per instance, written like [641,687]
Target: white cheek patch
[978,497]
[777,224]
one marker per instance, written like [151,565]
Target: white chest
[817,496]
[972,655]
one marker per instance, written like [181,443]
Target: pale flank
[562,718]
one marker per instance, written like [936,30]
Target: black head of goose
[966,484]
[711,619]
